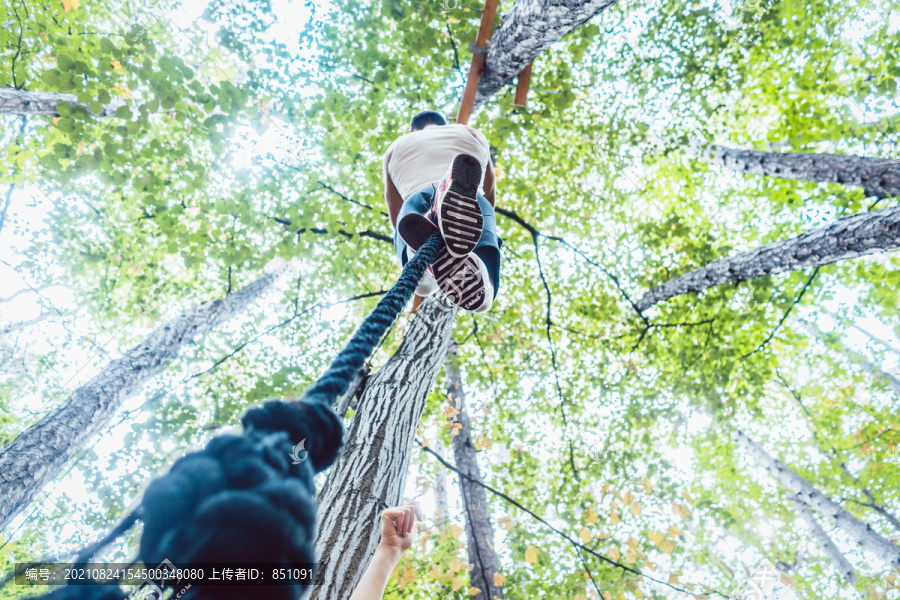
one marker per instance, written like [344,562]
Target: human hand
[398,526]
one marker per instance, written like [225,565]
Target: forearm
[394,202]
[490,184]
[392,198]
[373,582]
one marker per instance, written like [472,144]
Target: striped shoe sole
[459,215]
[459,278]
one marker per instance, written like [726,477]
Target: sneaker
[459,278]
[427,285]
[456,209]
[488,298]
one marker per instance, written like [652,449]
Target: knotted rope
[240,499]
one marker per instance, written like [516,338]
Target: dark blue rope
[335,381]
[241,499]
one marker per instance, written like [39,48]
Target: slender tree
[39,453]
[43,104]
[441,504]
[813,330]
[850,237]
[871,336]
[877,176]
[479,530]
[805,492]
[370,474]
[837,558]
[825,446]
[877,340]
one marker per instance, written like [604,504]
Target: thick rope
[242,499]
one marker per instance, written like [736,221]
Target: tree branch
[849,237]
[9,191]
[534,232]
[786,313]
[563,535]
[23,324]
[320,231]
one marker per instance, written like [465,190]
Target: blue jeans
[487,248]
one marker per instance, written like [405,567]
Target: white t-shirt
[422,158]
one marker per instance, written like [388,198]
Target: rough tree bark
[526,30]
[877,176]
[877,372]
[43,104]
[850,237]
[479,530]
[837,558]
[39,453]
[806,493]
[370,474]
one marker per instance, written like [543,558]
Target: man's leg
[471,281]
[460,278]
[486,256]
[456,209]
[418,203]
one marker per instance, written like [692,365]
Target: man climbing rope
[398,532]
[439,178]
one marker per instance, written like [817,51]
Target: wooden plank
[477,67]
[522,86]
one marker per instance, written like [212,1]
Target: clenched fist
[398,526]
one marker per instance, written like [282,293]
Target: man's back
[420,158]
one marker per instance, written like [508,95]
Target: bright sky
[29,211]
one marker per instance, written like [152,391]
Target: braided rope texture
[241,499]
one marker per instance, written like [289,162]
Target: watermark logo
[441,303]
[149,590]
[149,302]
[729,13]
[764,583]
[895,454]
[448,5]
[744,301]
[597,456]
[296,450]
[138,17]
[598,151]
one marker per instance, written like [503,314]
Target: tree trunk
[370,474]
[43,104]
[860,359]
[806,493]
[39,453]
[872,337]
[441,504]
[837,558]
[529,28]
[850,237]
[877,176]
[479,530]
[872,503]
